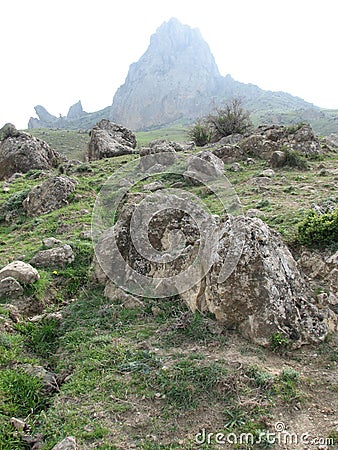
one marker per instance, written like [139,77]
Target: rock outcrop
[264,294]
[108,139]
[21,152]
[51,194]
[270,143]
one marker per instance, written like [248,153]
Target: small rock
[57,256]
[268,173]
[155,186]
[235,167]
[18,424]
[20,271]
[10,287]
[51,242]
[278,159]
[48,196]
[69,443]
[255,213]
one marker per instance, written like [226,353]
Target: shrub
[200,133]
[230,119]
[295,159]
[319,230]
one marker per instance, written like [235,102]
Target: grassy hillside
[151,377]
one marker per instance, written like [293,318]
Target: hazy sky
[55,53]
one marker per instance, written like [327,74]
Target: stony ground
[154,376]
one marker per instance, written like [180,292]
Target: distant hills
[176,81]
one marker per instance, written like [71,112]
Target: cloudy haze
[55,53]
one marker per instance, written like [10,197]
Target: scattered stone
[159,152]
[51,242]
[21,152]
[235,167]
[69,443]
[114,293]
[20,271]
[255,213]
[54,257]
[50,195]
[10,288]
[18,424]
[107,139]
[278,159]
[49,379]
[229,153]
[268,173]
[154,186]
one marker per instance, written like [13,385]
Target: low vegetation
[152,377]
[232,118]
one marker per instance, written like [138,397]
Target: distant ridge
[176,81]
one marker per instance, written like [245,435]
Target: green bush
[295,159]
[319,230]
[230,119]
[200,133]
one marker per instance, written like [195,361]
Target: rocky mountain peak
[175,76]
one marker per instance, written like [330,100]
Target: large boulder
[264,293]
[21,152]
[49,195]
[107,139]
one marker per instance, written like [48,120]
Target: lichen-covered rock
[51,194]
[20,271]
[264,294]
[107,139]
[54,257]
[21,152]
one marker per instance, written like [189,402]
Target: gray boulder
[107,139]
[264,294]
[49,195]
[203,167]
[159,153]
[20,271]
[54,257]
[21,152]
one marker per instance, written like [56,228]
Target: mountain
[176,81]
[76,118]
